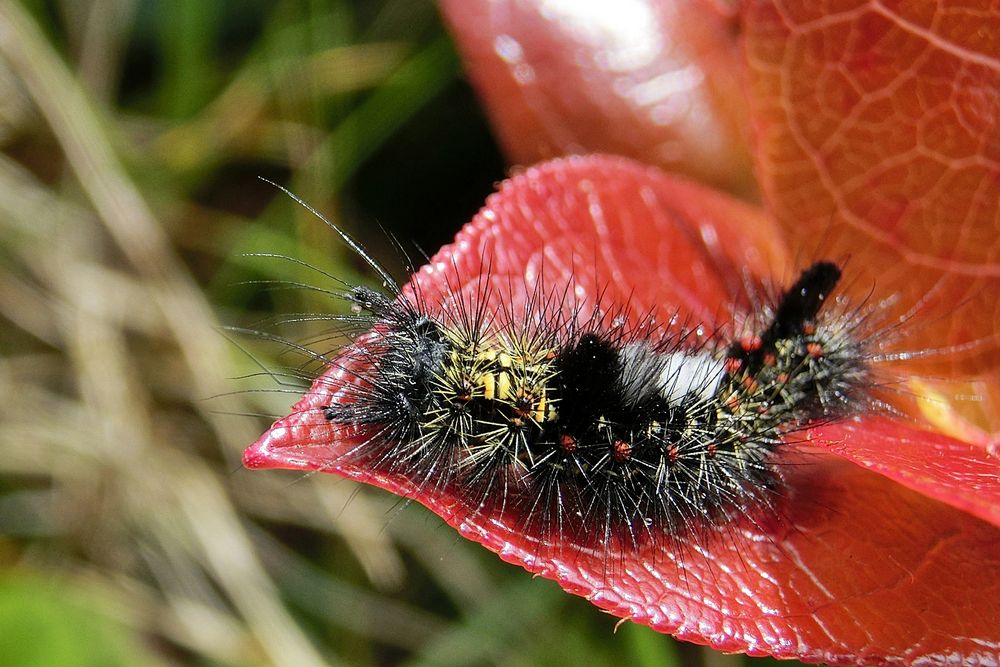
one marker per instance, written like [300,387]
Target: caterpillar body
[587,429]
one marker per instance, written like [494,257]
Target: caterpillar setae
[589,425]
[590,429]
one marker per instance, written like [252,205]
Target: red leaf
[877,128]
[658,81]
[958,473]
[858,569]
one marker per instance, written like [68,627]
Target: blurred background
[133,134]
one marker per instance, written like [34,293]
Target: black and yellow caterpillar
[592,429]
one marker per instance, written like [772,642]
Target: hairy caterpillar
[586,424]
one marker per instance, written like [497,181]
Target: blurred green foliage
[133,133]
[41,626]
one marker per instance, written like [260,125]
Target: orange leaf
[877,128]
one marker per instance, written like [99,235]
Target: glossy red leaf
[656,80]
[857,568]
[959,473]
[877,128]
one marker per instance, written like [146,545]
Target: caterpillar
[588,425]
